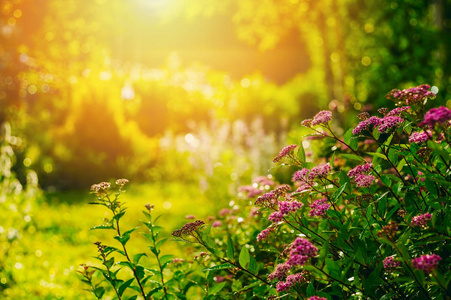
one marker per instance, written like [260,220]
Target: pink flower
[263,180]
[389,122]
[250,190]
[436,115]
[365,125]
[190,217]
[319,208]
[421,220]
[320,171]
[264,234]
[284,152]
[301,250]
[427,263]
[275,217]
[420,137]
[216,224]
[280,271]
[359,170]
[364,180]
[397,111]
[322,117]
[412,95]
[224,211]
[301,175]
[291,280]
[285,207]
[317,298]
[390,263]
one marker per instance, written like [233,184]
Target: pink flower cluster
[365,125]
[285,207]
[319,171]
[291,280]
[317,298]
[280,271]
[390,263]
[421,220]
[436,115]
[427,262]
[301,250]
[389,122]
[397,111]
[301,175]
[275,217]
[359,170]
[264,234]
[361,179]
[322,117]
[412,95]
[284,152]
[319,208]
[420,137]
[364,180]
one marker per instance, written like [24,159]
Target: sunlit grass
[59,239]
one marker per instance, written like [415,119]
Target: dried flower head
[122,181]
[383,111]
[149,206]
[388,230]
[363,116]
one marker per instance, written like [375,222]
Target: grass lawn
[58,238]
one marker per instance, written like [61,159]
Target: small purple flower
[359,170]
[263,180]
[412,95]
[364,180]
[282,286]
[293,279]
[275,217]
[320,171]
[317,298]
[285,207]
[397,111]
[284,152]
[264,234]
[319,208]
[280,271]
[301,250]
[322,117]
[390,263]
[224,212]
[420,137]
[436,115]
[365,125]
[426,263]
[389,122]
[301,175]
[250,190]
[216,224]
[421,220]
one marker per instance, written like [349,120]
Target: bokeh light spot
[32,89]
[366,61]
[434,89]
[167,205]
[245,82]
[27,162]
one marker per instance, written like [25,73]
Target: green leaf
[339,192]
[109,263]
[216,288]
[137,257]
[244,258]
[311,290]
[347,136]
[124,286]
[376,154]
[301,152]
[166,258]
[230,249]
[219,267]
[253,267]
[119,216]
[250,286]
[393,156]
[160,243]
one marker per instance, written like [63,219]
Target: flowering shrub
[369,222]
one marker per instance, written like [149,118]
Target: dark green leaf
[244,258]
[124,286]
[230,249]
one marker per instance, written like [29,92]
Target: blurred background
[188,99]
